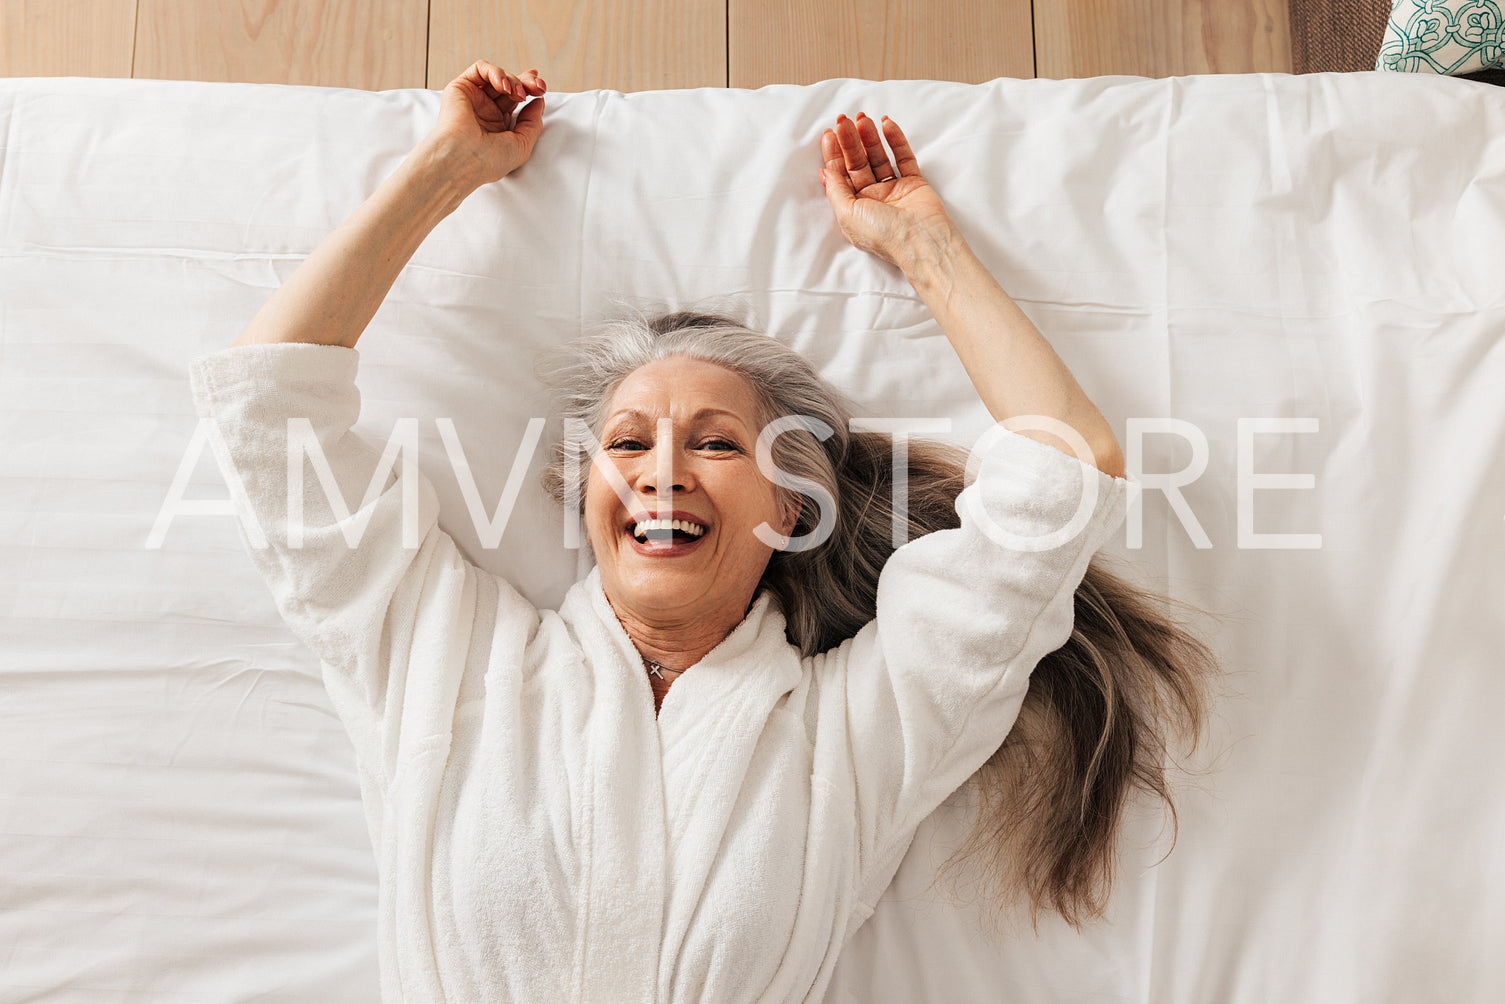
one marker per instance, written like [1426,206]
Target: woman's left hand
[886,209]
[476,122]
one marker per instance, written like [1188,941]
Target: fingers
[838,185]
[877,157]
[904,157]
[499,83]
[530,122]
[853,153]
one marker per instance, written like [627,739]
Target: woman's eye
[634,444]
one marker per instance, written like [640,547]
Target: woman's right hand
[476,122]
[888,210]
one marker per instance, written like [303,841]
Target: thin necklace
[654,668]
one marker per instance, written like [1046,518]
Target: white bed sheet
[179,815]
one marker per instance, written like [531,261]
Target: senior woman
[695,779]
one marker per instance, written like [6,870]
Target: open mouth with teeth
[665,536]
[674,530]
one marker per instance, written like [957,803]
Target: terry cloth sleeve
[363,574]
[936,680]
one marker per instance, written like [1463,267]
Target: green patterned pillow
[1443,36]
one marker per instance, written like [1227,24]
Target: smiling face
[706,471]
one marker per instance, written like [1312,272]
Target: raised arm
[936,681]
[334,294]
[886,207]
[350,548]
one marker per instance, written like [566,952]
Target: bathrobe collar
[741,665]
[662,790]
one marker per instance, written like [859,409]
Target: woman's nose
[653,483]
[659,473]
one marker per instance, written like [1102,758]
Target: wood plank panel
[1160,38]
[370,44]
[577,45]
[803,41]
[81,38]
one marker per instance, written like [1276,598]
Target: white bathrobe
[540,836]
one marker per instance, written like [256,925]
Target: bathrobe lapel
[620,810]
[662,791]
[709,730]
[710,724]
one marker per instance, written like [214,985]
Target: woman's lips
[660,542]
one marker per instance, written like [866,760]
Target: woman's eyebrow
[639,413]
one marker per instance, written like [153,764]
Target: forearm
[335,292]
[1013,367]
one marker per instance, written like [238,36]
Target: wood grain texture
[370,44]
[639,44]
[577,45]
[66,38]
[1160,38]
[802,41]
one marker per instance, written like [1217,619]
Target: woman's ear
[791,517]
